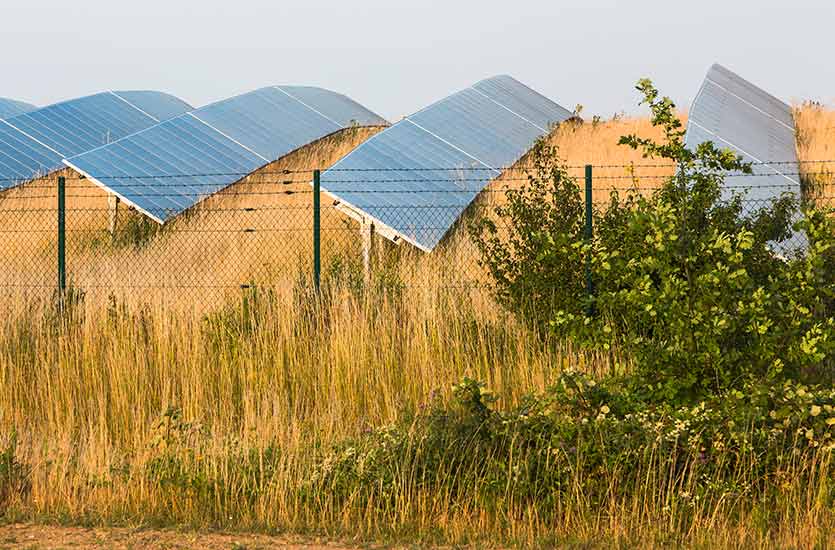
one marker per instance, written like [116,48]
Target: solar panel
[338,108]
[159,105]
[33,144]
[735,114]
[415,179]
[270,122]
[11,107]
[170,167]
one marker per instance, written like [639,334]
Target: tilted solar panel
[337,108]
[142,170]
[11,107]
[33,144]
[170,167]
[268,121]
[734,114]
[22,159]
[415,179]
[417,205]
[483,128]
[159,105]
[523,101]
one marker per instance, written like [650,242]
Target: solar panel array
[34,143]
[11,107]
[415,179]
[165,170]
[735,114]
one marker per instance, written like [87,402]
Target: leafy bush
[545,215]
[687,283]
[590,442]
[14,475]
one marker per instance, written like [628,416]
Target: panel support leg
[367,231]
[112,213]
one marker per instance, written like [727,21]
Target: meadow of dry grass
[88,402]
[816,150]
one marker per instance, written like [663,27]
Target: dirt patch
[38,537]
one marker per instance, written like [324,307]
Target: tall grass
[149,417]
[128,409]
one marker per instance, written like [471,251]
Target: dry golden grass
[85,399]
[816,142]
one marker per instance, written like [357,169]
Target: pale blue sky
[395,57]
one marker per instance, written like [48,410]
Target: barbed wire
[501,169]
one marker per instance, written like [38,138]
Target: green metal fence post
[62,234]
[317,237]
[589,234]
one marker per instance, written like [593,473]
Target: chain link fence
[260,234]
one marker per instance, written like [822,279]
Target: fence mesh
[259,234]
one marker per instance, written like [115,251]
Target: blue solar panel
[523,101]
[483,128]
[21,158]
[10,108]
[269,121]
[159,105]
[734,114]
[419,205]
[338,108]
[172,166]
[184,146]
[34,143]
[415,179]
[76,126]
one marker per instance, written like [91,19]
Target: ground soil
[38,537]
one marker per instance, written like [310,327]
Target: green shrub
[545,215]
[14,475]
[691,286]
[586,442]
[695,289]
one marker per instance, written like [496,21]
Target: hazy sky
[395,57]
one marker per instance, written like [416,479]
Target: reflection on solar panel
[735,114]
[32,144]
[10,108]
[415,179]
[174,165]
